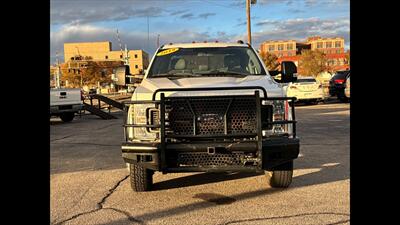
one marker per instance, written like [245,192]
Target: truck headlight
[138,113]
[279,114]
[281,111]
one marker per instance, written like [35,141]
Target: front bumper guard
[271,152]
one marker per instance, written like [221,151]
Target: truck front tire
[280,176]
[67,117]
[140,177]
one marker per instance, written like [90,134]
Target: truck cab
[210,107]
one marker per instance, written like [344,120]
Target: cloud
[206,15]
[221,33]
[243,22]
[174,13]
[296,11]
[267,22]
[307,3]
[85,11]
[133,39]
[188,16]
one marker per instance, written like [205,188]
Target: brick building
[290,50]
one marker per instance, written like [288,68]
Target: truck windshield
[194,62]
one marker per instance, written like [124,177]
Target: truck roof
[203,45]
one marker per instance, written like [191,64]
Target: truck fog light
[266,133]
[278,129]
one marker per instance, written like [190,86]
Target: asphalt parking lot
[89,181]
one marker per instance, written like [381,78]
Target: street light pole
[158,41]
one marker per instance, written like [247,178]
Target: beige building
[101,51]
[280,47]
[327,45]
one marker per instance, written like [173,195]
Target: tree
[89,74]
[312,63]
[348,58]
[270,60]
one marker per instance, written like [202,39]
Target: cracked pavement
[90,183]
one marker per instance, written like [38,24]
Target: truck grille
[204,159]
[206,116]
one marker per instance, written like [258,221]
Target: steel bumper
[274,152]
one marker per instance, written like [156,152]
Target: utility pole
[148,33]
[158,41]
[248,21]
[248,3]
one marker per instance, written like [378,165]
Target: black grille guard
[160,105]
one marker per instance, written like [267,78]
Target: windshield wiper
[172,75]
[228,73]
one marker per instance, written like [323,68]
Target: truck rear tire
[67,117]
[140,177]
[281,176]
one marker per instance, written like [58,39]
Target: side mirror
[288,71]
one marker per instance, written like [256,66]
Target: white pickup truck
[65,102]
[210,107]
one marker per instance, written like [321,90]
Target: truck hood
[148,86]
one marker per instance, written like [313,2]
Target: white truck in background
[65,102]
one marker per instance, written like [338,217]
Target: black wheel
[67,117]
[312,102]
[141,178]
[281,176]
[343,99]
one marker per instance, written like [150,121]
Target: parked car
[337,85]
[65,102]
[347,88]
[210,107]
[306,89]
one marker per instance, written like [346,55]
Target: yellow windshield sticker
[168,51]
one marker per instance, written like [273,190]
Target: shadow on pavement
[199,179]
[327,174]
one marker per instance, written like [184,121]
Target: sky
[139,22]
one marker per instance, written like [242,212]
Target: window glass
[206,61]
